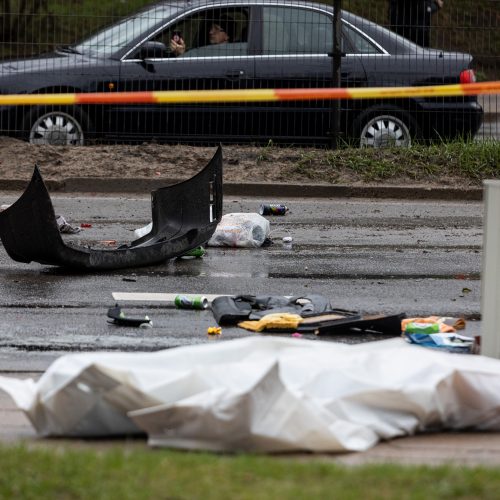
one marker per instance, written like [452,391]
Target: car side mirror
[152,50]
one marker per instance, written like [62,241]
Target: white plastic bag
[240,230]
[141,231]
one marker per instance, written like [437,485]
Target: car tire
[56,126]
[390,126]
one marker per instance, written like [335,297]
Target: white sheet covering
[264,394]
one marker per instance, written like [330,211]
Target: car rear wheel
[56,127]
[382,128]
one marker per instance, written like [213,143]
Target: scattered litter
[214,330]
[130,279]
[311,314]
[191,302]
[425,328]
[445,324]
[119,318]
[240,230]
[108,243]
[272,322]
[439,333]
[195,253]
[85,225]
[273,209]
[142,231]
[65,227]
[451,342]
[297,335]
[348,322]
[287,242]
[230,310]
[167,298]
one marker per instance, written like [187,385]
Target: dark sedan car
[239,44]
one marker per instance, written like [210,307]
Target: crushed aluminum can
[191,302]
[273,209]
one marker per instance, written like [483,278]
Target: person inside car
[220,32]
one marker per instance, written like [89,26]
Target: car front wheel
[386,128]
[56,127]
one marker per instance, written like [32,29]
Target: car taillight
[468,76]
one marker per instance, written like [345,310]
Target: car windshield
[115,37]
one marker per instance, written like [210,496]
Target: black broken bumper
[184,216]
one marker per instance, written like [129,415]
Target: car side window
[208,33]
[290,30]
[358,42]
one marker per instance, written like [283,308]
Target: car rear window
[289,30]
[359,42]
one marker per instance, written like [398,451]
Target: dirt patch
[241,164]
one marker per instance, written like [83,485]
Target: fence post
[336,62]
[490,278]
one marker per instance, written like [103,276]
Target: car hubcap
[385,131]
[56,129]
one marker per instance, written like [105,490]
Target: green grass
[42,473]
[447,163]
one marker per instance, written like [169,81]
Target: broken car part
[347,322]
[184,216]
[118,317]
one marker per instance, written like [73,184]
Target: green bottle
[194,253]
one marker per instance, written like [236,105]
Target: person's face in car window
[217,34]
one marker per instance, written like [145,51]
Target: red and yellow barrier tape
[251,95]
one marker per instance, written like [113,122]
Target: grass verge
[144,474]
[465,164]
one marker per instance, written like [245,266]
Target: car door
[295,52]
[202,66]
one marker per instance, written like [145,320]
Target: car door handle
[235,74]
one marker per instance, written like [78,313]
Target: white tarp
[264,394]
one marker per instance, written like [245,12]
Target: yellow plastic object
[214,330]
[274,321]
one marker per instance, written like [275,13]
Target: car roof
[215,3]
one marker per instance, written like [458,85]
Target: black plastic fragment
[119,318]
[351,323]
[184,216]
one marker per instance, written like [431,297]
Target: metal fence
[73,46]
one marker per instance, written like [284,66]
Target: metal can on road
[191,302]
[273,209]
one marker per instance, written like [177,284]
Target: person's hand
[178,48]
[440,3]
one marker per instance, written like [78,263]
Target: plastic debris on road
[448,341]
[240,230]
[118,317]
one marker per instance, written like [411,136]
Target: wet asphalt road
[376,256]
